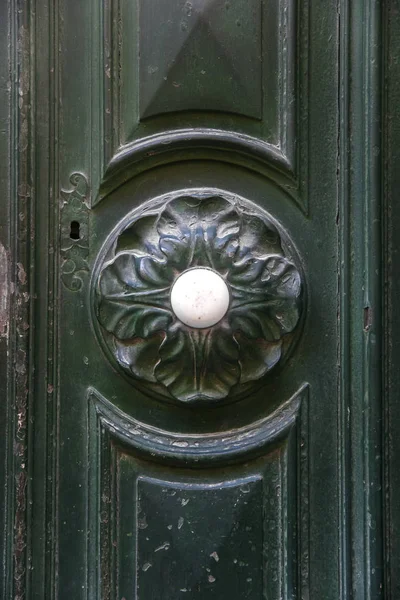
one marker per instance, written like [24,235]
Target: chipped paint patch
[4,293]
[164,546]
[21,274]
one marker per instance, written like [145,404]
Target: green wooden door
[148,454]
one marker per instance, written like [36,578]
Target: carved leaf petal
[129,273]
[198,364]
[141,238]
[126,320]
[199,232]
[271,307]
[257,358]
[245,272]
[273,276]
[255,322]
[175,232]
[257,237]
[134,297]
[140,356]
[268,320]
[220,224]
[282,273]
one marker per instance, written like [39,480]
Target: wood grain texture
[391,289]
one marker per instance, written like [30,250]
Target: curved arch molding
[233,445]
[227,146]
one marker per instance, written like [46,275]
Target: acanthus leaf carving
[133,303]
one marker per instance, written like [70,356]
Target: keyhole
[74,232]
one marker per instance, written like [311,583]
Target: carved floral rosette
[134,280]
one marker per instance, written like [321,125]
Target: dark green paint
[104,108]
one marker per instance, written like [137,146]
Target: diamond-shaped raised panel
[227,75]
[207,56]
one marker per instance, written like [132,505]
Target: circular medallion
[198,295]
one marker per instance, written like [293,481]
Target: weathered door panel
[210,100]
[152,459]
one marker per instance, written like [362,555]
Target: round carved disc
[198,296]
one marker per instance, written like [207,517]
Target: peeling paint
[24,190]
[21,274]
[164,546]
[4,294]
[24,88]
[20,312]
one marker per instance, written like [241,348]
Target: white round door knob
[200,297]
